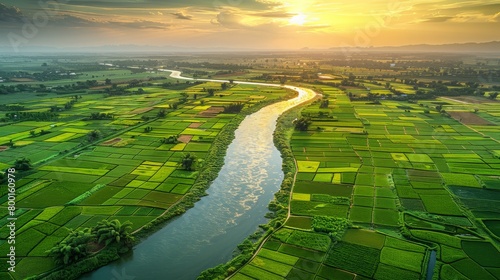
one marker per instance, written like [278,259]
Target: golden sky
[253,24]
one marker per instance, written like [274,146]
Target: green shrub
[310,240]
[335,227]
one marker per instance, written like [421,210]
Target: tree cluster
[100,116]
[77,245]
[324,103]
[93,135]
[233,108]
[30,116]
[188,162]
[302,124]
[172,139]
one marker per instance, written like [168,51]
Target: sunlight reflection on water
[207,234]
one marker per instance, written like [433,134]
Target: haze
[247,24]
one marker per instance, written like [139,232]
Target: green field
[423,164]
[126,170]
[388,168]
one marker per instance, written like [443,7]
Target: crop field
[390,173]
[371,164]
[129,172]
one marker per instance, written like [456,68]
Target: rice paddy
[384,161]
[391,182]
[128,173]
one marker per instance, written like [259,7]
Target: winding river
[207,234]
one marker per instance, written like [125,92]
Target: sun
[299,19]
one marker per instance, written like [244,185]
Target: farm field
[395,175]
[408,183]
[129,169]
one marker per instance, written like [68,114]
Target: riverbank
[279,206]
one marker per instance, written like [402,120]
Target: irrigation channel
[206,235]
[430,266]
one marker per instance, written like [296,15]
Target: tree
[324,103]
[302,124]
[188,161]
[371,96]
[283,80]
[161,113]
[107,81]
[493,95]
[73,249]
[108,232]
[101,116]
[93,135]
[211,91]
[22,164]
[172,139]
[233,108]
[223,86]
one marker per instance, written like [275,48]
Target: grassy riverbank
[278,207]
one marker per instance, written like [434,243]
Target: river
[207,234]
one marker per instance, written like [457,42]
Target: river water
[207,234]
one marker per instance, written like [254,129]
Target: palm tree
[73,249]
[114,231]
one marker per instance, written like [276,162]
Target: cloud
[229,20]
[10,14]
[155,4]
[181,15]
[138,24]
[487,9]
[496,17]
[437,19]
[79,22]
[274,14]
[156,13]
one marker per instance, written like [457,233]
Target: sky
[246,24]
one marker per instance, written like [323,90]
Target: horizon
[253,25]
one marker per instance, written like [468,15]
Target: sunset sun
[299,19]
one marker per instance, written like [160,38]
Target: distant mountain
[493,46]
[487,47]
[24,50]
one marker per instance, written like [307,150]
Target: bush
[335,227]
[310,240]
[302,124]
[233,108]
[74,271]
